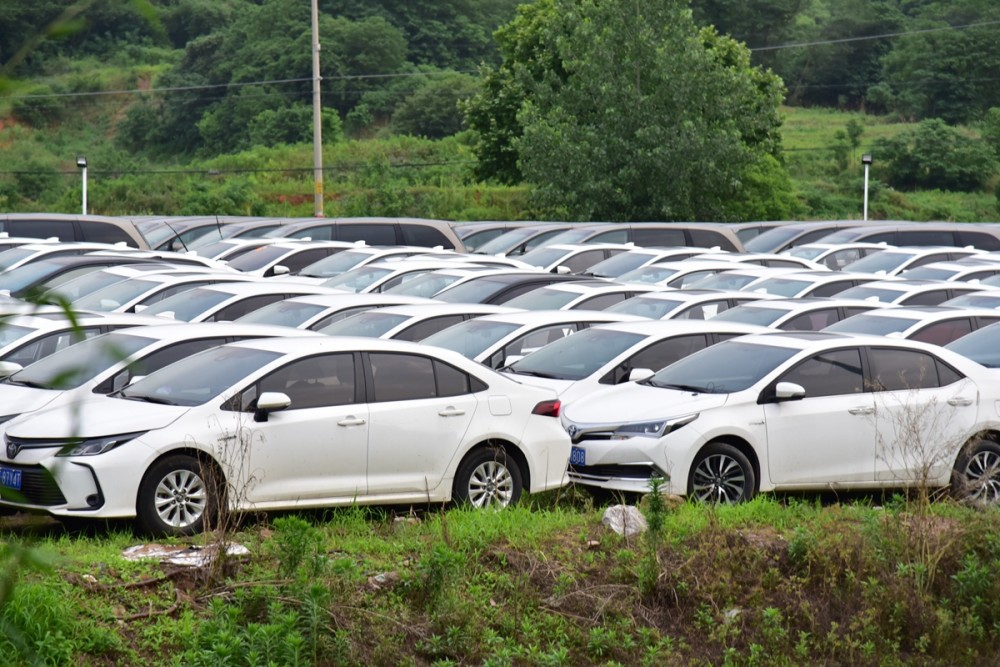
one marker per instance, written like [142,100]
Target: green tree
[625,111]
[433,110]
[990,129]
[934,156]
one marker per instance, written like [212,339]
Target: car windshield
[258,258]
[881,294]
[359,279]
[11,333]
[725,280]
[576,357]
[872,324]
[751,315]
[369,324]
[974,301]
[185,382]
[543,298]
[116,295]
[543,257]
[771,240]
[336,264]
[781,286]
[571,236]
[980,346]
[88,283]
[883,261]
[648,274]
[473,291]
[157,233]
[646,306]
[722,369]
[929,273]
[27,275]
[215,249]
[189,304]
[805,252]
[472,337]
[283,313]
[71,367]
[426,285]
[9,258]
[620,264]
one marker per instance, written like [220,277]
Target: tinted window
[829,374]
[894,370]
[942,333]
[814,321]
[584,260]
[602,301]
[43,229]
[656,356]
[402,377]
[925,237]
[577,357]
[103,232]
[370,233]
[451,381]
[707,238]
[931,298]
[317,233]
[829,289]
[428,237]
[241,308]
[313,382]
[155,361]
[702,311]
[422,330]
[46,345]
[643,236]
[300,260]
[336,317]
[980,240]
[616,236]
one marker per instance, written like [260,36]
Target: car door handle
[351,421]
[451,412]
[863,410]
[960,401]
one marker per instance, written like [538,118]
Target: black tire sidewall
[474,459]
[148,519]
[728,450]
[959,480]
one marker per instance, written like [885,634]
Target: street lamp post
[81,162]
[866,160]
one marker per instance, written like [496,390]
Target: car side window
[895,370]
[656,356]
[829,289]
[530,342]
[702,311]
[931,298]
[832,373]
[428,237]
[583,260]
[314,382]
[814,321]
[370,233]
[402,377]
[601,301]
[942,333]
[104,232]
[244,306]
[422,330]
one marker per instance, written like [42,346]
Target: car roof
[543,317]
[182,331]
[649,327]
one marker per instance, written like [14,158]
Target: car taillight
[547,408]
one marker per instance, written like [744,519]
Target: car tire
[488,477]
[976,476]
[721,473]
[176,496]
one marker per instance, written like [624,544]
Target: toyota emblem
[12,450]
[572,430]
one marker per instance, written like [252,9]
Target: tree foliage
[625,111]
[934,155]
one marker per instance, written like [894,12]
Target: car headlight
[652,429]
[95,446]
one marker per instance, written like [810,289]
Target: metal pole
[84,171]
[864,215]
[317,118]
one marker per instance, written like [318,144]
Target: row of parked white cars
[185,383]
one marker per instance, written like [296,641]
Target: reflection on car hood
[95,417]
[15,400]
[634,402]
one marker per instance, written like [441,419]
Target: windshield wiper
[146,398]
[27,383]
[682,387]
[536,374]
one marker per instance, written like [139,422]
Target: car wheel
[976,478]
[176,495]
[721,474]
[488,477]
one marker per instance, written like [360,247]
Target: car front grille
[616,471]
[38,487]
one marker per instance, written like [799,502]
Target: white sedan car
[795,411]
[288,423]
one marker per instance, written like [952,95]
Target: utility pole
[317,119]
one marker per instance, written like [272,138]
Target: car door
[829,436]
[925,411]
[317,448]
[419,409]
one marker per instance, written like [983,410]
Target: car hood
[633,402]
[16,400]
[94,418]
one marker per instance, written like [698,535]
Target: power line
[865,38]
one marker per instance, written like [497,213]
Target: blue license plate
[577,456]
[10,478]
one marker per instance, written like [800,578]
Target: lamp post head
[866,158]
[81,162]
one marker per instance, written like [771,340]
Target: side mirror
[789,391]
[637,374]
[280,270]
[562,270]
[8,368]
[270,401]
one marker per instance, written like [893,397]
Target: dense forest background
[204,106]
